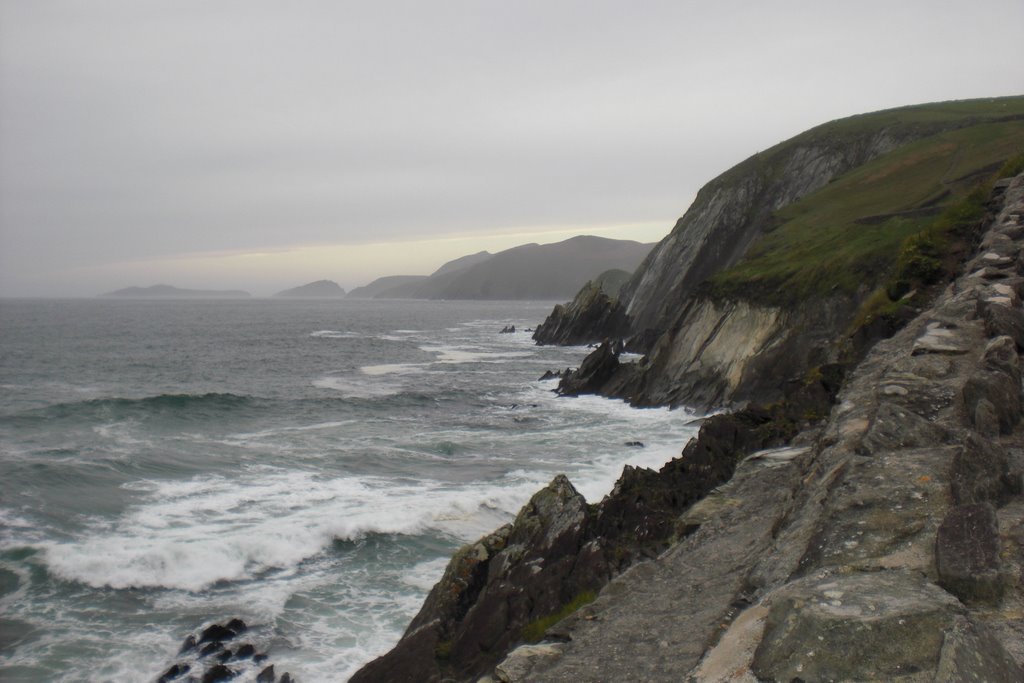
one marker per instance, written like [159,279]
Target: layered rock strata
[888,546]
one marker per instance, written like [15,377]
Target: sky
[259,145]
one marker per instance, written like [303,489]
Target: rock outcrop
[709,344]
[886,547]
[592,316]
[884,544]
[219,653]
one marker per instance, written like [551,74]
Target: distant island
[321,289]
[529,271]
[170,292]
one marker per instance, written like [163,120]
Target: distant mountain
[530,271]
[384,284]
[321,289]
[463,262]
[169,292]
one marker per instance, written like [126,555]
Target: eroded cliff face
[732,210]
[708,350]
[887,545]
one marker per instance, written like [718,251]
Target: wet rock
[635,444]
[237,625]
[211,648]
[267,675]
[174,672]
[218,673]
[967,553]
[508,329]
[245,652]
[595,371]
[188,645]
[216,632]
[286,678]
[877,626]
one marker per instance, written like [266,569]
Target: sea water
[308,466]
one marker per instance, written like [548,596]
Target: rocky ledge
[886,543]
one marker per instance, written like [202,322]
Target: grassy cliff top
[849,233]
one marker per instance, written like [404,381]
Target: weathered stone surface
[979,472]
[879,626]
[941,337]
[896,427]
[967,553]
[971,654]
[517,665]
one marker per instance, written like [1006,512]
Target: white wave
[334,334]
[425,574]
[392,369]
[463,354]
[191,534]
[354,388]
[278,431]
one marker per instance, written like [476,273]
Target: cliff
[772,263]
[885,543]
[861,517]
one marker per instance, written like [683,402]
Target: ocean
[308,466]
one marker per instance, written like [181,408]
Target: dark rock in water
[593,373]
[174,672]
[211,648]
[267,675]
[508,329]
[635,444]
[216,632]
[967,553]
[218,673]
[188,645]
[590,317]
[237,625]
[260,658]
[286,678]
[225,655]
[245,651]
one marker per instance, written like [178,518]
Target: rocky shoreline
[885,543]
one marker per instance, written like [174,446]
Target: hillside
[320,289]
[530,271]
[772,264]
[383,285]
[169,292]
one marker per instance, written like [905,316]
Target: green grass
[851,233]
[535,630]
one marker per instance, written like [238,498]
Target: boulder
[967,553]
[876,626]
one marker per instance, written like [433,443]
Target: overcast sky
[262,144]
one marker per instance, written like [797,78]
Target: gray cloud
[135,130]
